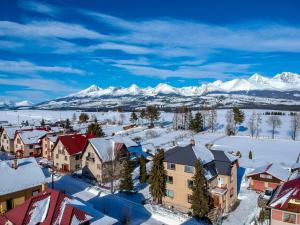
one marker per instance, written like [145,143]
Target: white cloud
[23,67]
[40,7]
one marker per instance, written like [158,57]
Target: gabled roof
[189,154]
[49,207]
[28,174]
[31,136]
[106,149]
[10,131]
[272,169]
[223,162]
[284,193]
[74,143]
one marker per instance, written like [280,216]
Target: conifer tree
[198,122]
[250,155]
[143,171]
[126,183]
[238,116]
[152,114]
[142,116]
[157,178]
[133,117]
[43,124]
[190,121]
[67,126]
[95,129]
[200,199]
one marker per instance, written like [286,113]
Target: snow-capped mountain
[12,104]
[256,91]
[282,82]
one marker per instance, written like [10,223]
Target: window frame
[170,166]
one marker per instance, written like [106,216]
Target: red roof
[74,143]
[59,209]
[284,193]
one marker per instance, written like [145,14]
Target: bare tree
[258,122]
[274,122]
[295,125]
[251,124]
[211,119]
[230,128]
[111,167]
[122,118]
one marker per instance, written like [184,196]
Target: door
[65,167]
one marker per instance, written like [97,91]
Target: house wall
[28,150]
[94,166]
[8,144]
[47,146]
[180,188]
[277,218]
[261,184]
[63,161]
[19,197]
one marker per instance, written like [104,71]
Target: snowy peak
[285,81]
[25,103]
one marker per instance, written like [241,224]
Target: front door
[65,167]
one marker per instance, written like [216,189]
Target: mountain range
[279,92]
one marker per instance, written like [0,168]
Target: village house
[48,142]
[7,139]
[179,163]
[101,158]
[28,142]
[52,207]
[267,177]
[20,180]
[285,204]
[67,152]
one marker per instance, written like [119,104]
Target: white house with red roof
[54,208]
[267,177]
[67,152]
[285,204]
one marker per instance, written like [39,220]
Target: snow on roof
[203,153]
[32,137]
[126,140]
[104,148]
[53,138]
[10,131]
[28,174]
[39,211]
[272,169]
[296,165]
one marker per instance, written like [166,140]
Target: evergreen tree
[143,171]
[95,129]
[126,183]
[143,116]
[83,117]
[250,155]
[198,122]
[157,178]
[200,200]
[152,114]
[67,126]
[238,116]
[190,121]
[26,123]
[133,117]
[43,124]
[261,217]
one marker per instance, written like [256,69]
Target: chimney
[192,142]
[14,164]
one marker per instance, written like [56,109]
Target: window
[77,166]
[66,158]
[77,157]
[57,164]
[220,181]
[18,141]
[231,192]
[190,183]
[34,193]
[265,176]
[169,193]
[4,136]
[56,156]
[189,169]
[169,179]
[289,218]
[189,198]
[171,166]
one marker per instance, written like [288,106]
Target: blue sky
[52,48]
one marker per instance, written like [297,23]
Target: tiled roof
[272,169]
[74,143]
[286,192]
[47,208]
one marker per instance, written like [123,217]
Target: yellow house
[220,173]
[7,139]
[20,180]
